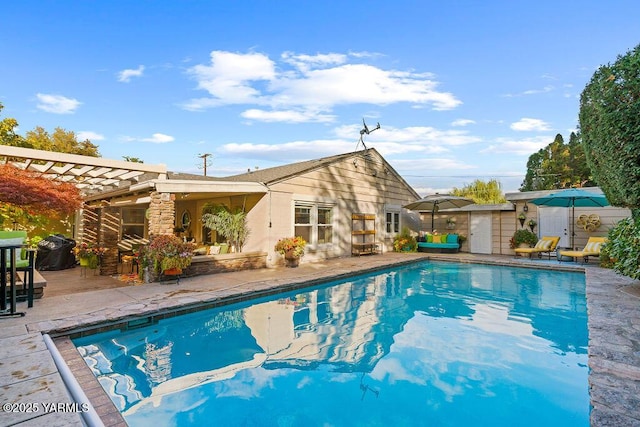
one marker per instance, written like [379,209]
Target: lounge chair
[547,244]
[592,248]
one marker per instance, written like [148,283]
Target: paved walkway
[28,374]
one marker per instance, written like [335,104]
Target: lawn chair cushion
[543,244]
[592,247]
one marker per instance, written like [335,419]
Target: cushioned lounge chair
[546,244]
[592,248]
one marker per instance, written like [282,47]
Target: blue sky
[463,90]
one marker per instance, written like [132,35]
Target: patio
[73,303]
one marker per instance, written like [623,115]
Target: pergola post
[109,233]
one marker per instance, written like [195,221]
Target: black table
[4,312]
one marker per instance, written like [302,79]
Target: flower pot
[521,221]
[290,259]
[84,262]
[172,271]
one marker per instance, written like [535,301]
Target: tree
[31,191]
[132,159]
[8,135]
[558,165]
[61,141]
[610,128]
[481,192]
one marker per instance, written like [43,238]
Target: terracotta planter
[290,260]
[172,271]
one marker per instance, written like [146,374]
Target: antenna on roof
[365,131]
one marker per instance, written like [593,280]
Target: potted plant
[89,254]
[521,237]
[292,249]
[231,226]
[522,217]
[168,254]
[532,224]
[404,241]
[461,239]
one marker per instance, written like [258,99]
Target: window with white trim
[314,223]
[393,222]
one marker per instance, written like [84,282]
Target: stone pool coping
[613,313]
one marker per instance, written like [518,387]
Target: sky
[462,90]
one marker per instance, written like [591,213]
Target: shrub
[523,236]
[623,247]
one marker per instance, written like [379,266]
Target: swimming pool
[433,343]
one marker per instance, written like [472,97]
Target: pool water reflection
[435,343]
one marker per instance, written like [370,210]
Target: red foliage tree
[31,190]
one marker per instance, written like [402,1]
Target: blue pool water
[432,344]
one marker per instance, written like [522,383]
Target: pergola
[90,174]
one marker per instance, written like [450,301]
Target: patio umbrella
[570,199]
[435,202]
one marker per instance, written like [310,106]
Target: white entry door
[480,233]
[555,222]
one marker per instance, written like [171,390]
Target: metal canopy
[89,174]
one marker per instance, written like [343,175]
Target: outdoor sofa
[439,243]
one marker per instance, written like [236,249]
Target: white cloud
[520,147]
[125,76]
[527,124]
[91,136]
[303,83]
[159,138]
[545,89]
[288,116]
[228,79]
[463,122]
[415,141]
[57,104]
[413,135]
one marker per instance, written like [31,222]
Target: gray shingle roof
[279,173]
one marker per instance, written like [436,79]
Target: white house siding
[350,189]
[609,216]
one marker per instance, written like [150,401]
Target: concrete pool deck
[29,376]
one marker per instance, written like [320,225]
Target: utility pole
[205,161]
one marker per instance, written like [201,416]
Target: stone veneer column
[109,234]
[162,213]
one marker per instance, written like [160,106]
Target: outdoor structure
[126,203]
[489,228]
[315,199]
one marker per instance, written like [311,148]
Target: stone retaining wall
[211,264]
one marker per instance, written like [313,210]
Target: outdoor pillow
[214,250]
[430,238]
[443,238]
[543,244]
[592,247]
[452,238]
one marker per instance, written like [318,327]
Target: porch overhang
[200,187]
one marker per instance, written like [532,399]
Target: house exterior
[315,199]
